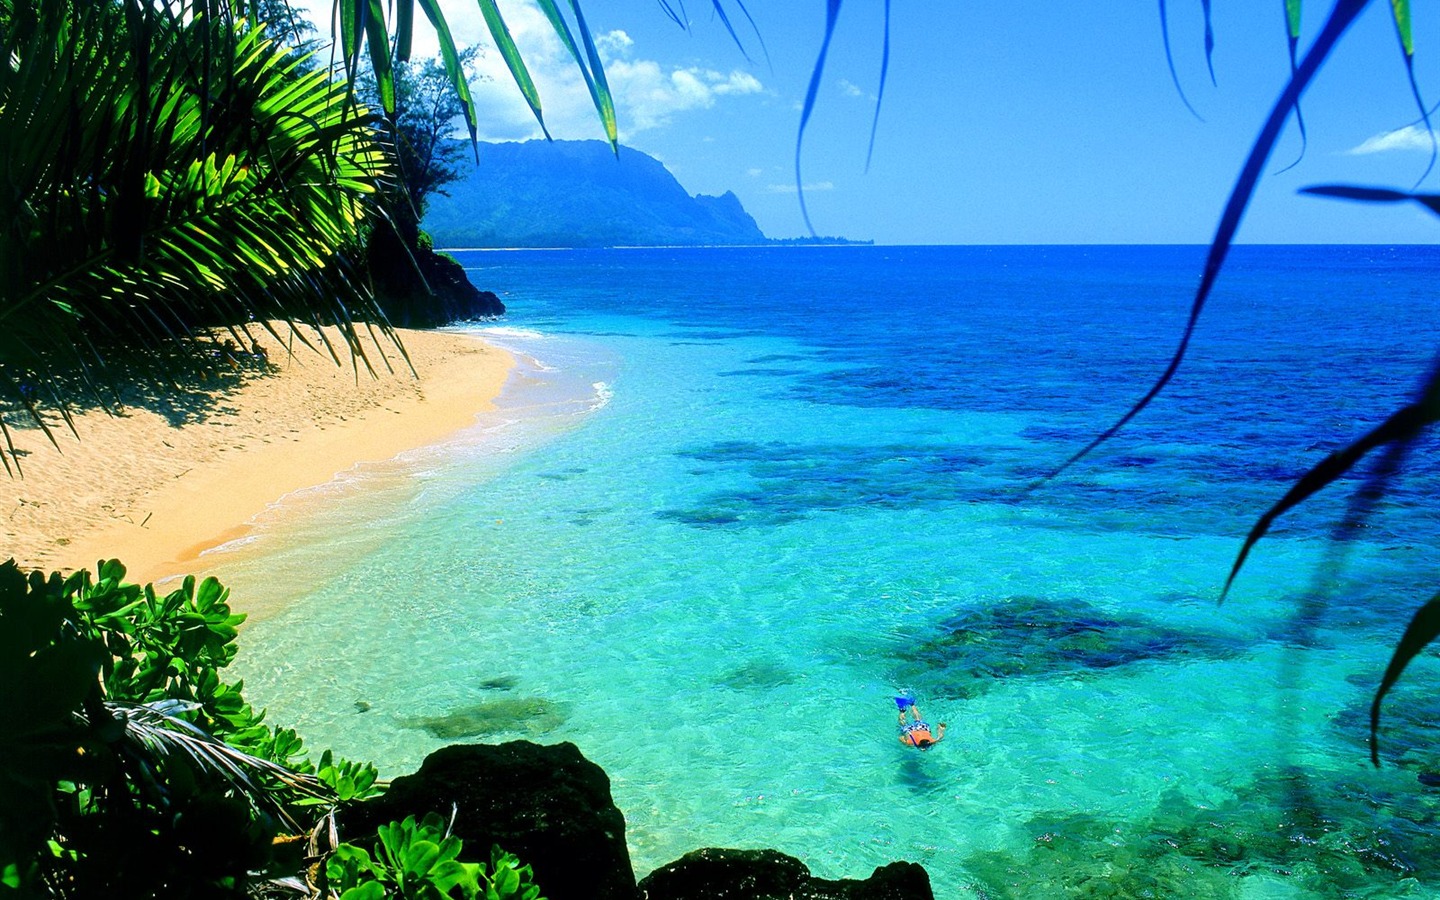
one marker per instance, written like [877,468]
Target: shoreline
[156,495]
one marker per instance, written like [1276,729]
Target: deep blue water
[736,498]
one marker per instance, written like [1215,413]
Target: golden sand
[138,488]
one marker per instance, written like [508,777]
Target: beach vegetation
[132,768]
[172,168]
[419,861]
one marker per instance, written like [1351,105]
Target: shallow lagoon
[734,499]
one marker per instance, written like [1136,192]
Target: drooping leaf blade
[679,18]
[379,38]
[500,34]
[1342,16]
[1170,60]
[1292,43]
[1422,631]
[755,28]
[1209,39]
[1402,425]
[880,94]
[720,13]
[404,28]
[454,69]
[606,104]
[832,13]
[1400,9]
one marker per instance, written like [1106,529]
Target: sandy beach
[141,488]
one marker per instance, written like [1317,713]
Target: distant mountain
[577,194]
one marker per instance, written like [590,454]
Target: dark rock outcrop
[419,288]
[715,874]
[547,804]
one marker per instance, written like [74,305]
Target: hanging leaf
[832,13]
[379,38]
[1170,60]
[725,20]
[1341,18]
[880,95]
[404,29]
[1209,40]
[606,106]
[1401,11]
[500,33]
[1401,426]
[1424,627]
[1292,30]
[454,69]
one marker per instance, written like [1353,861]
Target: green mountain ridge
[579,194]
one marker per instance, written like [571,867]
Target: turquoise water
[733,500]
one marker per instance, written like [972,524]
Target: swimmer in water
[917,732]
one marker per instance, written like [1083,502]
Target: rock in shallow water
[531,716]
[717,874]
[1040,637]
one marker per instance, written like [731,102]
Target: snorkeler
[916,732]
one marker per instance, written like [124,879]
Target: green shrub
[419,862]
[130,768]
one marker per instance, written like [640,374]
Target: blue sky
[1055,124]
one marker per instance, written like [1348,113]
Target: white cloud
[1411,137]
[754,173]
[850,89]
[614,43]
[647,93]
[790,188]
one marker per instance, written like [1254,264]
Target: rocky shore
[552,807]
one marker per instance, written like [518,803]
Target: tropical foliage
[419,861]
[169,169]
[133,769]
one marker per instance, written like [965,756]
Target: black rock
[419,288]
[715,874]
[547,804]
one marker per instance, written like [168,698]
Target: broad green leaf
[1401,10]
[420,856]
[500,33]
[370,890]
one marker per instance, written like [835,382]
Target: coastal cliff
[580,194]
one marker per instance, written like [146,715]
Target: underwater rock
[1409,734]
[531,716]
[1038,637]
[548,805]
[1324,838]
[499,683]
[757,674]
[718,874]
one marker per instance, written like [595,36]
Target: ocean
[735,500]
